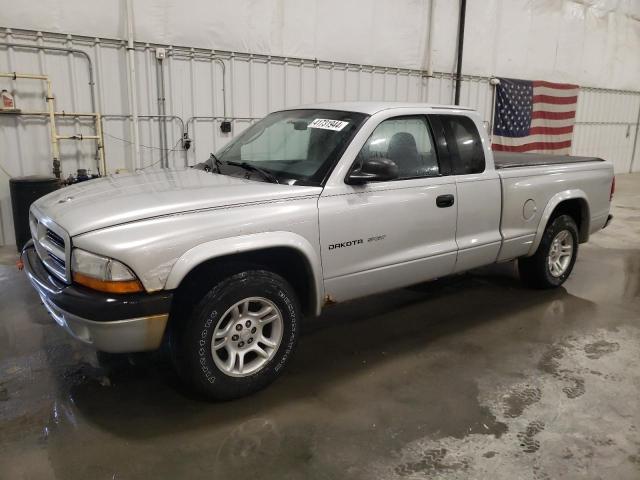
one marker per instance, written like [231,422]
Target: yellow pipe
[77,136]
[103,162]
[24,75]
[58,114]
[55,146]
[51,113]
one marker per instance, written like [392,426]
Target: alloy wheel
[247,337]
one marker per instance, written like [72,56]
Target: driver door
[390,234]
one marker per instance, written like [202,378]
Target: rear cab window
[463,143]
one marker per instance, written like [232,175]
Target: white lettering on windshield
[327,124]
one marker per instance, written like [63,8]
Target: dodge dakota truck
[308,206]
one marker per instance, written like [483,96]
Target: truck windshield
[295,146]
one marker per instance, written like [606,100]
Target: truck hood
[118,199]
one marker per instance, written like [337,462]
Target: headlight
[102,273]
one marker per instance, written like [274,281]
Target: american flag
[534,116]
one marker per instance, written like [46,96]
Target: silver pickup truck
[307,207]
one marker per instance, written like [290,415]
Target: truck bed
[512,160]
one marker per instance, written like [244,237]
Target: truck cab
[441,211]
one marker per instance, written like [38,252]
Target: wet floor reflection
[369,378]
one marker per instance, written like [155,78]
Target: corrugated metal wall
[607,125]
[203,87]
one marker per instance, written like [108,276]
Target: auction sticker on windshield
[327,124]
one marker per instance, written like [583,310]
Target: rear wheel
[240,336]
[553,261]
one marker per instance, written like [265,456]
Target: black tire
[192,339]
[535,271]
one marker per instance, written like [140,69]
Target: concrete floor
[470,377]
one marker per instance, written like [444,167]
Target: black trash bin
[25,191]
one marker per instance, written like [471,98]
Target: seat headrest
[401,146]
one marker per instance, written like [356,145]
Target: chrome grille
[58,261]
[52,244]
[54,238]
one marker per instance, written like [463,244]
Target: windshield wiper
[247,166]
[209,165]
[216,161]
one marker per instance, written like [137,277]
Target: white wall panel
[588,42]
[255,85]
[606,125]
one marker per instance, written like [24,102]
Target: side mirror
[373,170]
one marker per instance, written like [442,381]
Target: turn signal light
[122,286]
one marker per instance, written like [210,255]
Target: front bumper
[111,323]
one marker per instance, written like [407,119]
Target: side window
[407,141]
[465,144]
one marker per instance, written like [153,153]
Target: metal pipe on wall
[75,51]
[103,161]
[213,57]
[55,147]
[162,125]
[168,117]
[133,88]
[463,13]
[494,82]
[213,117]
[428,64]
[224,81]
[159,117]
[102,165]
[92,84]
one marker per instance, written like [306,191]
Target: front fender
[247,243]
[548,211]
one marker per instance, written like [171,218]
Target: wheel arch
[570,202]
[286,253]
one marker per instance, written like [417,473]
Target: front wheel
[553,261]
[240,336]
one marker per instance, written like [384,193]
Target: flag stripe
[545,122]
[559,86]
[532,146]
[556,93]
[553,115]
[551,107]
[550,130]
[554,100]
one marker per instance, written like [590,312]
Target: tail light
[613,188]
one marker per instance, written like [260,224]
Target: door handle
[444,201]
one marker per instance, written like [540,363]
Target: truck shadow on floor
[475,320]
